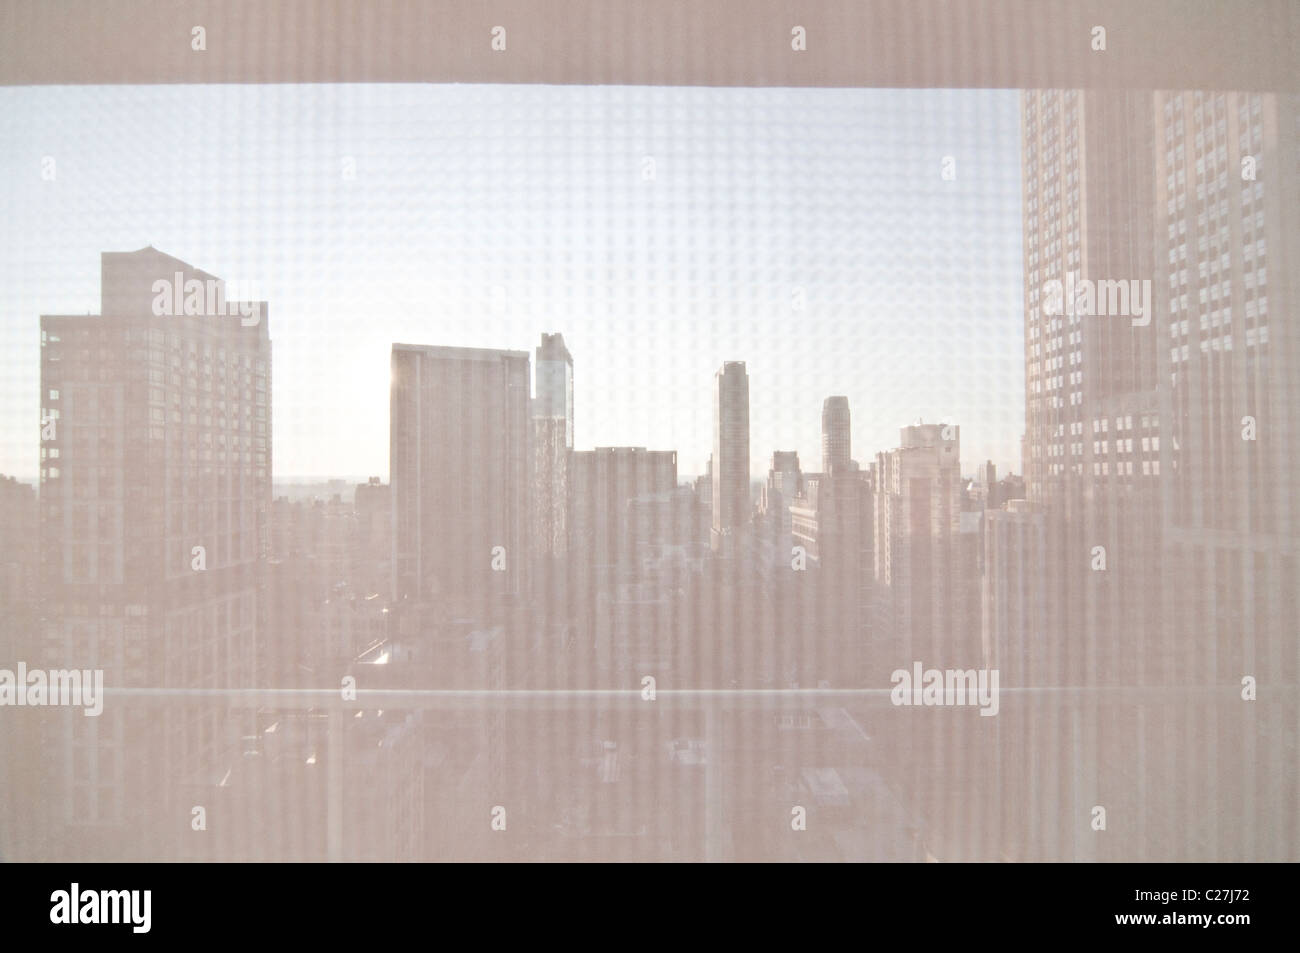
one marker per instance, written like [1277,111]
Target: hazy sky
[485,215]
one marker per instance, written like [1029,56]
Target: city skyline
[813,214]
[1147,548]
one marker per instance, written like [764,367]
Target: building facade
[925,559]
[155,531]
[459,468]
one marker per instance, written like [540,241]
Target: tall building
[552,442]
[1143,434]
[925,558]
[1087,182]
[1227,203]
[459,475]
[784,483]
[607,542]
[837,441]
[555,384]
[1227,197]
[604,481]
[1092,421]
[1168,541]
[731,503]
[155,477]
[832,520]
[1016,624]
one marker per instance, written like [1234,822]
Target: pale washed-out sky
[485,215]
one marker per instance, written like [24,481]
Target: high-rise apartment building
[1092,339]
[608,585]
[925,561]
[459,471]
[1157,415]
[1227,200]
[155,470]
[604,481]
[1087,180]
[1167,540]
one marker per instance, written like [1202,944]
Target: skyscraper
[1227,201]
[1166,545]
[1227,195]
[1144,432]
[555,384]
[925,561]
[155,500]
[837,441]
[552,441]
[1092,421]
[1087,161]
[459,470]
[731,504]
